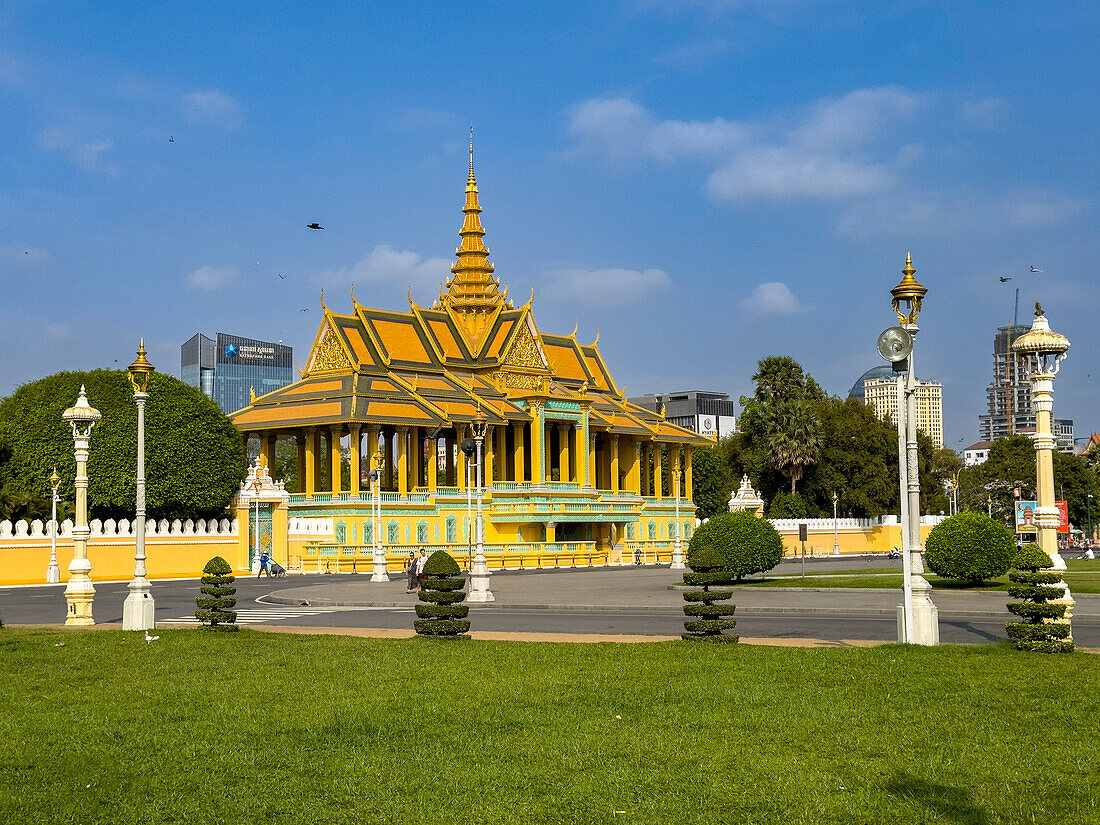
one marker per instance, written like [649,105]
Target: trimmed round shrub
[970,546]
[1040,631]
[708,621]
[216,602]
[443,616]
[747,544]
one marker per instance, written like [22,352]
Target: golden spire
[910,291]
[472,287]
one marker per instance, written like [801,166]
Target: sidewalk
[649,588]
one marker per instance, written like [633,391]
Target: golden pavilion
[566,459]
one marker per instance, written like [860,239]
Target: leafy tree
[707,621]
[1035,585]
[970,546]
[792,438]
[194,458]
[443,616]
[217,600]
[747,543]
[787,505]
[781,378]
[712,481]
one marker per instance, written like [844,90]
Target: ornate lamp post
[53,572]
[79,592]
[918,620]
[479,576]
[836,541]
[138,609]
[678,546]
[1042,351]
[378,557]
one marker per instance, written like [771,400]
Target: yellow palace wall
[854,539]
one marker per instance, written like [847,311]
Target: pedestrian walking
[263,571]
[410,571]
[420,561]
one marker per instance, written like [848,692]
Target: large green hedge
[748,544]
[969,546]
[217,600]
[443,615]
[194,456]
[1040,630]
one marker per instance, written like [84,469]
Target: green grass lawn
[262,728]
[1083,577]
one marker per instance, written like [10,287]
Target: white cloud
[1037,207]
[986,113]
[91,156]
[840,147]
[19,255]
[605,287]
[386,265]
[212,279]
[773,298]
[213,109]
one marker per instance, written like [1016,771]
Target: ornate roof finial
[1038,310]
[470,179]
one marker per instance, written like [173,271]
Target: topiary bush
[1039,631]
[747,544]
[443,616]
[708,621]
[970,546]
[216,602]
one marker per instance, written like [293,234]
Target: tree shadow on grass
[955,804]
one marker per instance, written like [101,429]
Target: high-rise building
[881,395]
[707,413]
[231,368]
[1008,397]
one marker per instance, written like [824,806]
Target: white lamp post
[836,540]
[479,576]
[378,557]
[53,572]
[918,618]
[79,592]
[678,546]
[138,609]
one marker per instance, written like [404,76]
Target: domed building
[858,391]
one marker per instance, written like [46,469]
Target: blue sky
[704,182]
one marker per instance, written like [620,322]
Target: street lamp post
[1042,351]
[378,556]
[479,576]
[678,546]
[138,610]
[989,505]
[918,619]
[53,572]
[836,539]
[79,592]
[1088,506]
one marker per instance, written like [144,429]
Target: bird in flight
[171,139]
[1033,269]
[1003,279]
[314,226]
[303,310]
[282,277]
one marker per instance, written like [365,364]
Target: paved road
[616,601]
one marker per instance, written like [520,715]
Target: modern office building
[708,413]
[230,368]
[881,395]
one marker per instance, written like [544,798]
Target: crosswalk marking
[252,615]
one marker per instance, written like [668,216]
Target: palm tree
[792,438]
[778,377]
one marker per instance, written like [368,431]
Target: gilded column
[580,453]
[387,459]
[520,433]
[433,463]
[538,435]
[501,452]
[403,461]
[300,442]
[563,453]
[449,459]
[356,444]
[488,459]
[658,480]
[636,467]
[269,452]
[311,460]
[334,459]
[614,448]
[461,464]
[590,463]
[688,487]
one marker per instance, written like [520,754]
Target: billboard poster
[1025,517]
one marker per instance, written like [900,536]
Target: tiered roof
[432,367]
